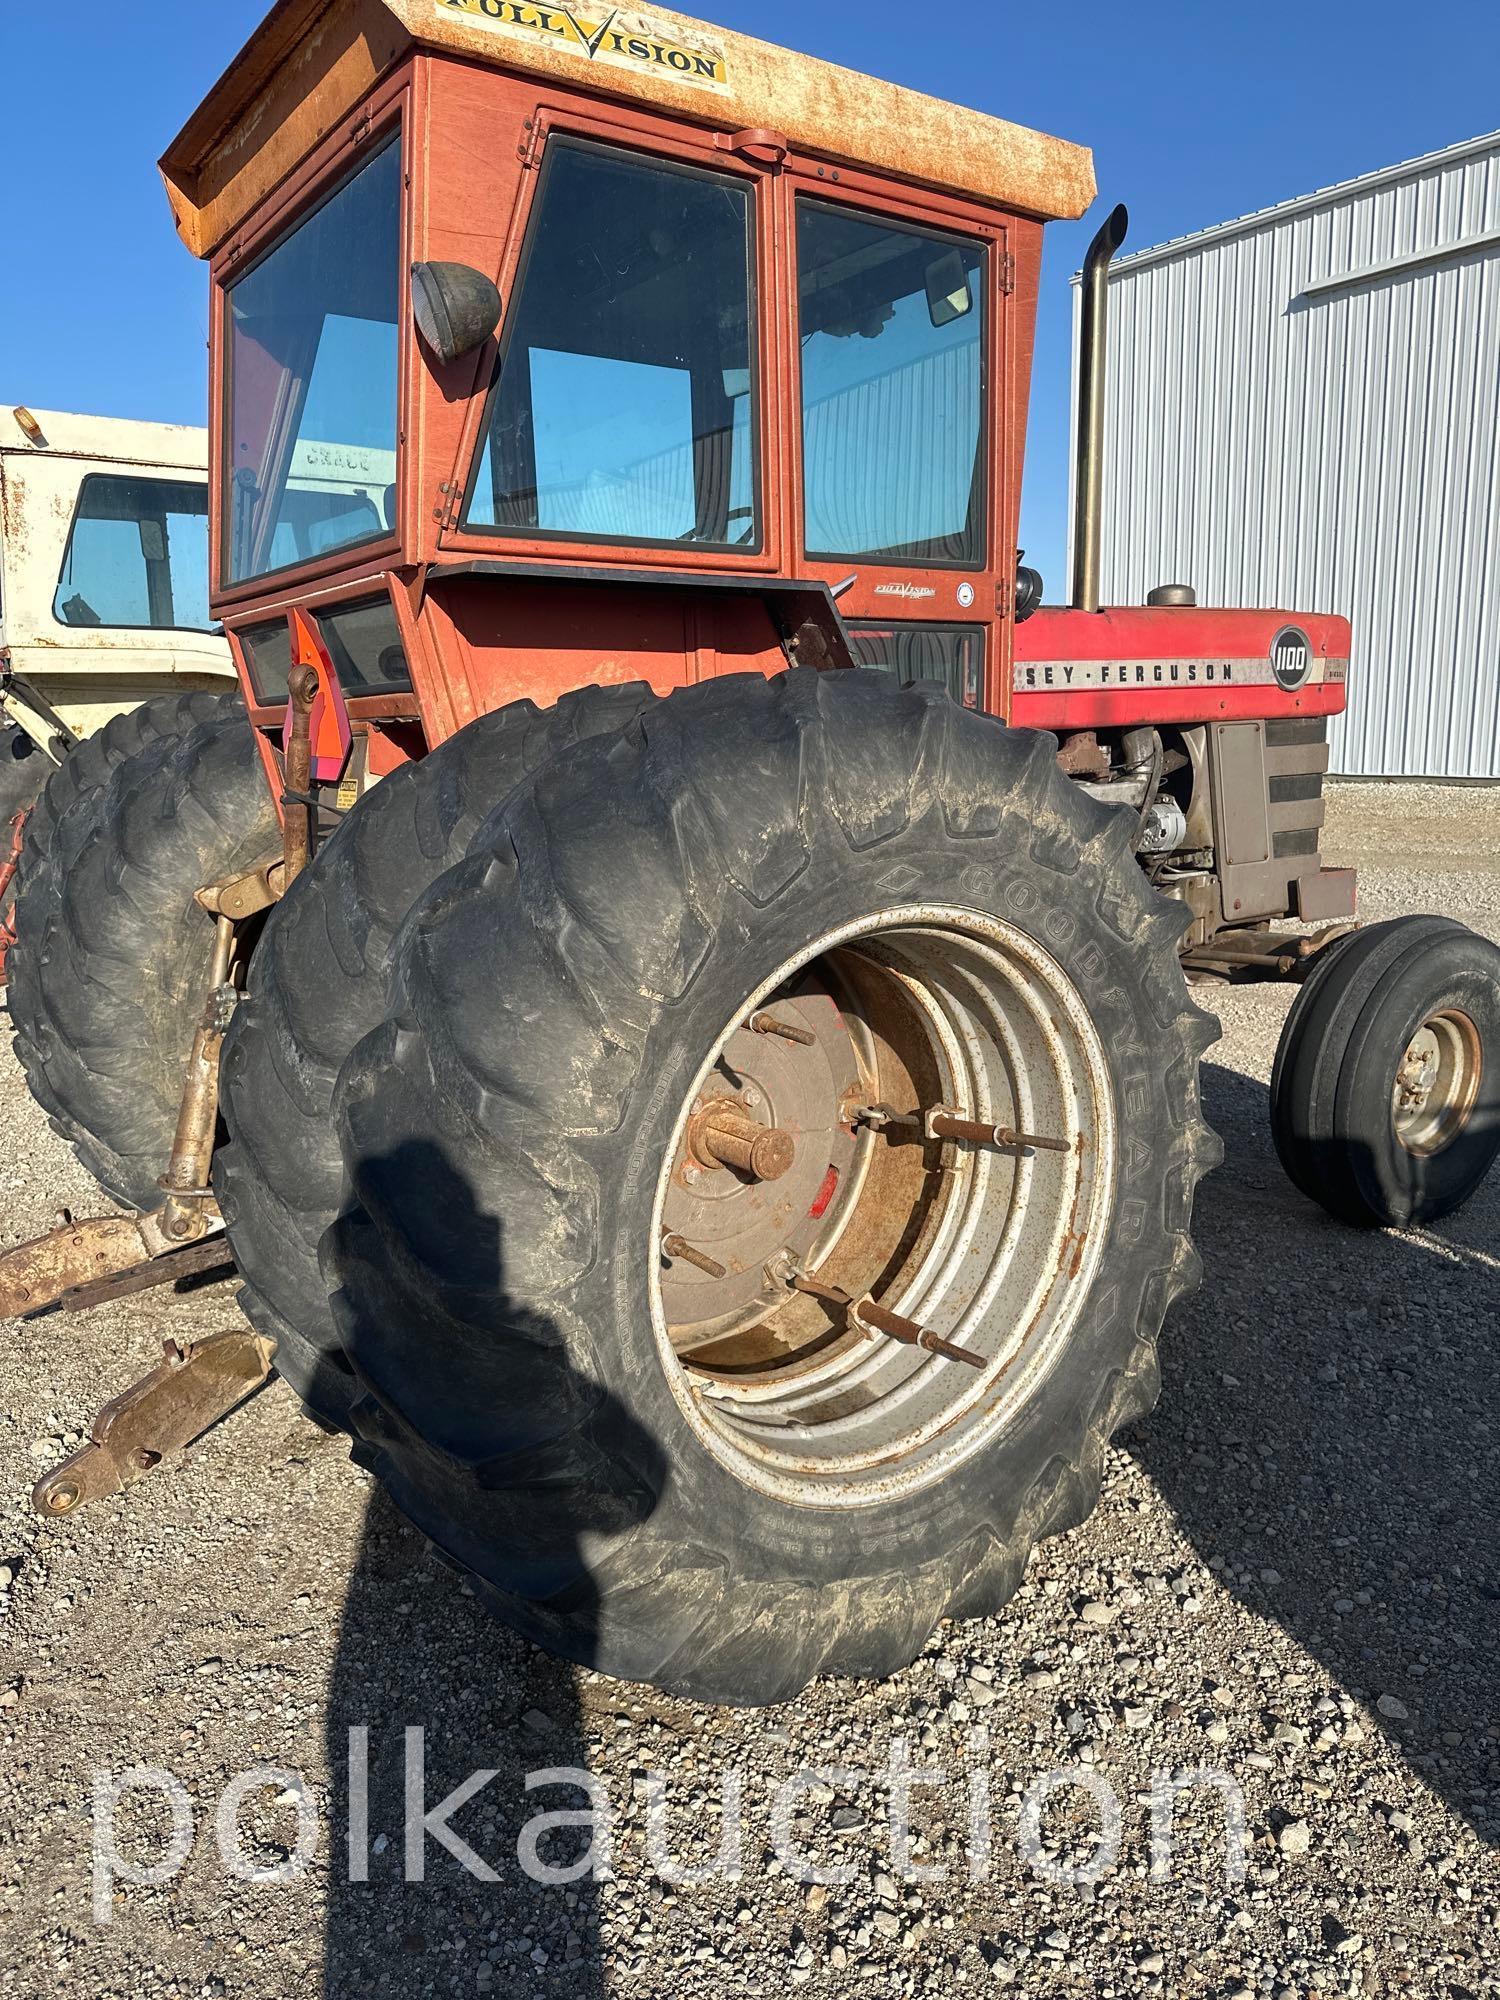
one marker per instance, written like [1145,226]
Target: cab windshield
[624,409]
[311,407]
[137,556]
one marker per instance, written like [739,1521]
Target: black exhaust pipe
[1088,479]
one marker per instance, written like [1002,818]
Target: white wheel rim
[1006,1250]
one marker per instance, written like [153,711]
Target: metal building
[1303,409]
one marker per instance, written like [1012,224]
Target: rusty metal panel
[1303,409]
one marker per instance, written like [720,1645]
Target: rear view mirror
[456,308]
[153,541]
[948,295]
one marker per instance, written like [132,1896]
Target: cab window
[624,409]
[311,406]
[137,556]
[892,340]
[363,642]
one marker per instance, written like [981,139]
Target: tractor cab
[548,352]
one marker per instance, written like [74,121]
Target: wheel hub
[1437,1082]
[935,1103]
[766,1147]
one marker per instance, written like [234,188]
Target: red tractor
[669,975]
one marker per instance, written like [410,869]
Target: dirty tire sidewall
[554,998]
[1459,971]
[116,979]
[318,985]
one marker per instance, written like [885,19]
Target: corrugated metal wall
[1304,411]
[890,460]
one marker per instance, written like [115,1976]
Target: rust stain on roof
[311,62]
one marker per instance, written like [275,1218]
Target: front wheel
[1385,1098]
[645,1192]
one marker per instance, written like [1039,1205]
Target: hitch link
[185,1182]
[189,1390]
[36,1274]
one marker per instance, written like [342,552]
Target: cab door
[899,341]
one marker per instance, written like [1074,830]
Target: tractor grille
[1297,757]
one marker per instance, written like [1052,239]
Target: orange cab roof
[312,62]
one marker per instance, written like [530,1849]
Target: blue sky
[1195,113]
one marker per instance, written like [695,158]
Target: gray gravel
[1292,1577]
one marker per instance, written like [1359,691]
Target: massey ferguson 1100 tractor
[669,975]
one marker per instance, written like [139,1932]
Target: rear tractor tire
[318,985]
[67,805]
[1385,1098]
[660,1048]
[109,972]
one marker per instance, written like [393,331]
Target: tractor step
[85,1256]
[189,1390]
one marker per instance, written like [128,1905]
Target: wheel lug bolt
[679,1250]
[767,1024]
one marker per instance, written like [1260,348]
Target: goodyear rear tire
[318,984]
[112,957]
[721,1483]
[1385,1097]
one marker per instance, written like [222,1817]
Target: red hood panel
[1085,669]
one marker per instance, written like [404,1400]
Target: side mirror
[456,308]
[948,294]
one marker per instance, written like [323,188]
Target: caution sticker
[616,37]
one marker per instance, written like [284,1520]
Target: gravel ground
[1292,1579]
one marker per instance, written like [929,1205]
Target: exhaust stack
[1088,482]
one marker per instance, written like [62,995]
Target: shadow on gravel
[431,1697]
[1327,1432]
[416,1653]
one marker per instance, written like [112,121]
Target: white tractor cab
[104,571]
[103,580]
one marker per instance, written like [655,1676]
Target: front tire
[727,1494]
[1385,1097]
